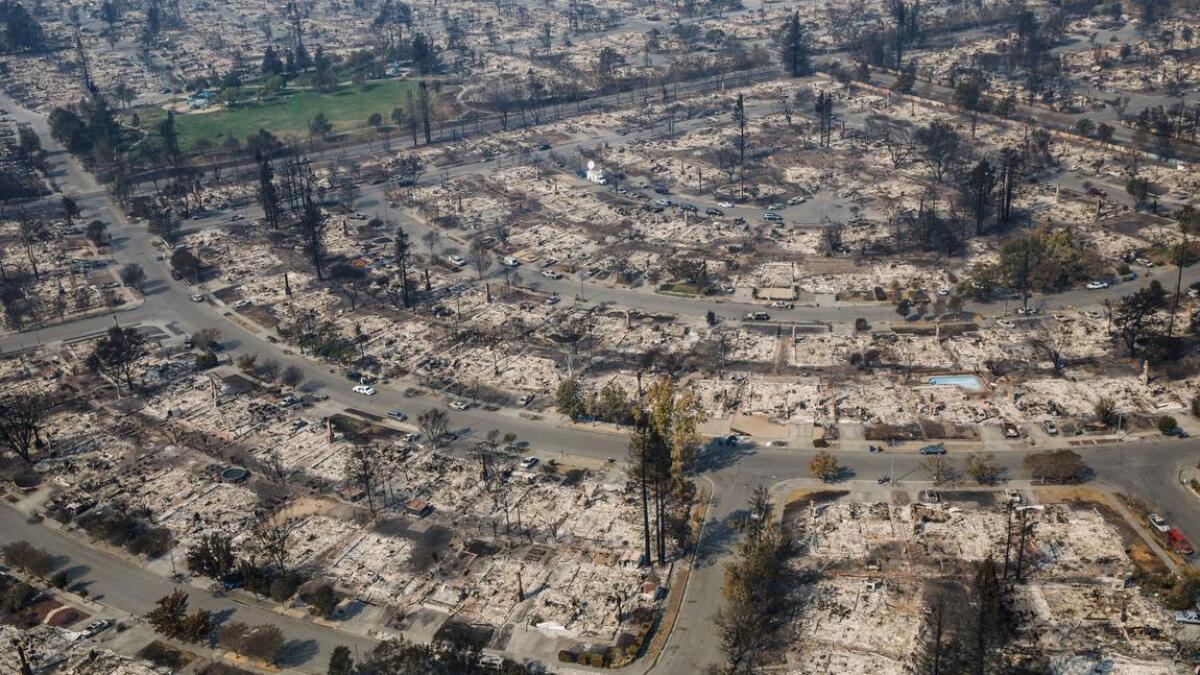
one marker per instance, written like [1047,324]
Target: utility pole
[1025,530]
[1008,509]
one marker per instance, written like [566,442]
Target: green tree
[117,355]
[341,662]
[1019,261]
[134,276]
[1137,317]
[753,601]
[794,47]
[197,626]
[320,126]
[169,614]
[568,398]
[824,466]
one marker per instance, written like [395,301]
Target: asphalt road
[123,586]
[1147,470]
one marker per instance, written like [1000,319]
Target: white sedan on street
[364,390]
[1097,285]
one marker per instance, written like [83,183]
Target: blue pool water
[969,382]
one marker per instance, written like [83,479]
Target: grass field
[288,113]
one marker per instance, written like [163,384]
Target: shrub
[282,588]
[1196,406]
[1167,424]
[323,600]
[16,596]
[247,363]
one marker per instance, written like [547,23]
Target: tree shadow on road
[296,652]
[154,287]
[718,537]
[716,456]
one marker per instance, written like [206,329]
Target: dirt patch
[1146,559]
[798,501]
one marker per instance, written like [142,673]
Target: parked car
[552,300]
[938,449]
[175,274]
[196,297]
[782,304]
[758,316]
[365,390]
[397,415]
[725,205]
[457,260]
[511,261]
[713,211]
[552,274]
[96,627]
[1179,543]
[1187,616]
[525,400]
[1158,523]
[1010,430]
[529,462]
[1097,285]
[460,404]
[1050,427]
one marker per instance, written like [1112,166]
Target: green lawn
[288,113]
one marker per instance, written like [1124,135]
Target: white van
[511,261]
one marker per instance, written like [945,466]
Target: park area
[288,113]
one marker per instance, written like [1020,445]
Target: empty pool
[968,382]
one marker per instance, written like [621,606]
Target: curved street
[1146,469]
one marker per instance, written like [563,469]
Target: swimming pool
[968,382]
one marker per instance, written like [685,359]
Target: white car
[1050,427]
[1097,285]
[725,205]
[457,260]
[552,300]
[196,297]
[512,262]
[1005,323]
[241,303]
[529,462]
[552,274]
[524,400]
[1157,522]
[97,627]
[365,390]
[460,405]
[943,291]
